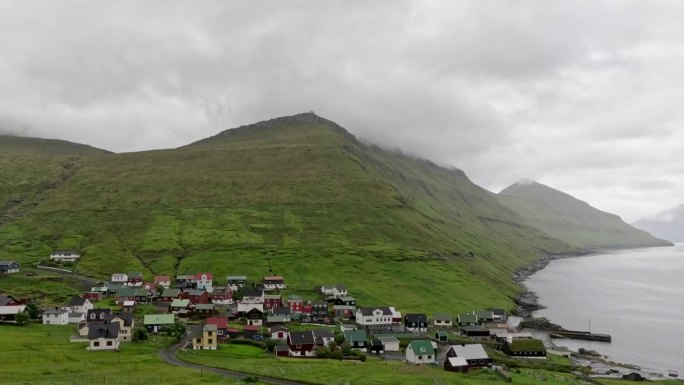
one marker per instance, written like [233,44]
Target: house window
[210,341]
[96,343]
[109,343]
[429,357]
[420,357]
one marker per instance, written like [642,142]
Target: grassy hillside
[21,145]
[571,220]
[297,196]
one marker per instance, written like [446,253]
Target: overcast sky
[584,96]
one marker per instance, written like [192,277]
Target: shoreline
[527,302]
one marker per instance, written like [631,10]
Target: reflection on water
[637,296]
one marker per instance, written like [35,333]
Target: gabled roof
[340,287]
[198,276]
[161,278]
[126,317]
[209,328]
[194,292]
[277,328]
[125,292]
[386,339]
[106,330]
[277,318]
[294,297]
[355,335]
[77,301]
[100,314]
[469,352]
[7,263]
[441,333]
[252,293]
[526,345]
[252,328]
[220,322]
[65,252]
[498,312]
[273,296]
[281,310]
[347,299]
[485,314]
[236,278]
[323,333]
[416,318]
[141,292]
[302,338]
[443,317]
[420,347]
[274,278]
[134,274]
[180,302]
[170,293]
[221,290]
[196,331]
[159,319]
[457,361]
[368,311]
[469,318]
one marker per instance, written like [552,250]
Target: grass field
[42,354]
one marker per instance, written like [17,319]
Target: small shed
[390,343]
[376,347]
[441,336]
[456,364]
[282,351]
[474,331]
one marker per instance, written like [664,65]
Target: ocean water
[636,296]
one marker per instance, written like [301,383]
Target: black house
[416,322]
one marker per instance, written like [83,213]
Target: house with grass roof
[467,319]
[358,339]
[155,322]
[443,320]
[525,348]
[420,352]
[135,278]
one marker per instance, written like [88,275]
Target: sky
[583,96]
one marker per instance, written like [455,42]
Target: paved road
[169,355]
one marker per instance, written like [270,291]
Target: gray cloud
[581,95]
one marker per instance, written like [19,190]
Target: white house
[78,305]
[252,297]
[339,290]
[163,281]
[374,317]
[274,282]
[246,307]
[76,318]
[65,256]
[104,336]
[420,352]
[120,278]
[204,282]
[56,317]
[389,343]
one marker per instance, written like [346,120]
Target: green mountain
[10,144]
[297,196]
[571,220]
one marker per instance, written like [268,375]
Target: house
[196,296]
[343,311]
[474,354]
[65,256]
[103,336]
[277,319]
[375,318]
[358,339]
[456,364]
[254,317]
[474,331]
[376,347]
[389,343]
[416,322]
[281,351]
[162,280]
[120,278]
[467,319]
[420,352]
[250,296]
[301,344]
[221,326]
[101,289]
[205,309]
[8,300]
[485,316]
[339,290]
[222,295]
[9,313]
[76,318]
[8,267]
[278,332]
[141,295]
[78,305]
[327,290]
[323,337]
[204,337]
[135,278]
[233,333]
[396,316]
[500,315]
[441,336]
[272,300]
[525,348]
[274,282]
[346,300]
[186,281]
[56,316]
[249,331]
[319,309]
[235,282]
[154,323]
[281,310]
[442,320]
[204,281]
[92,295]
[126,325]
[125,294]
[180,306]
[295,303]
[168,295]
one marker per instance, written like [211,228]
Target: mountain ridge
[668,224]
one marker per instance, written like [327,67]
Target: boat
[673,373]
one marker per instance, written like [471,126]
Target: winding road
[169,356]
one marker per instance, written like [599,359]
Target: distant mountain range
[667,225]
[298,196]
[571,220]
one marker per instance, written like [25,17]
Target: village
[321,322]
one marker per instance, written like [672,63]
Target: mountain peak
[273,125]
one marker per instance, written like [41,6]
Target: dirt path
[169,356]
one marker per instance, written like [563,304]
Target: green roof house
[154,322]
[420,352]
[525,348]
